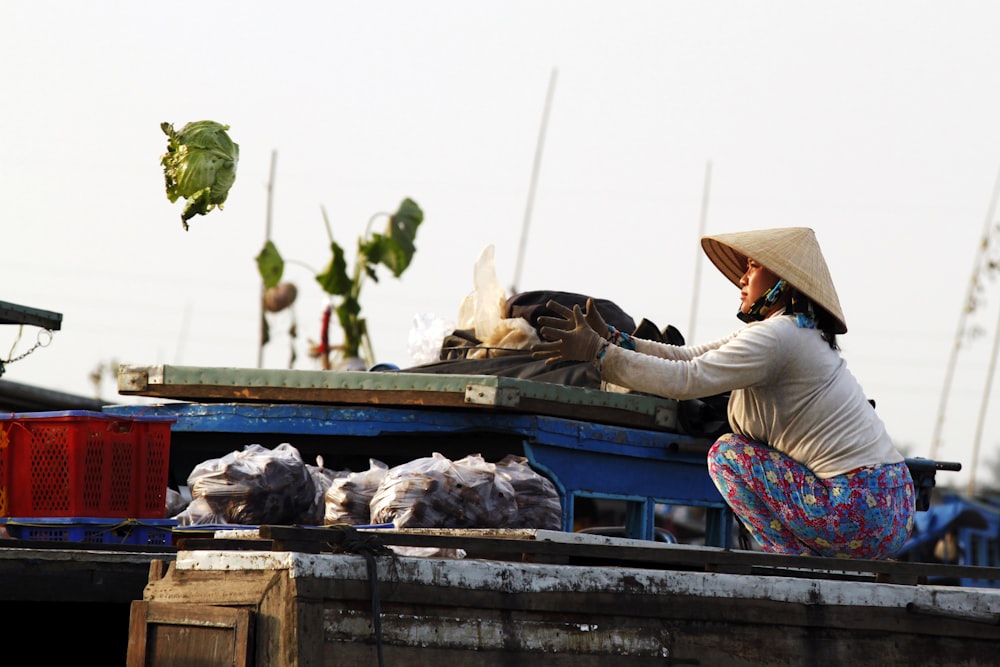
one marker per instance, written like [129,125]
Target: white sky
[875,123]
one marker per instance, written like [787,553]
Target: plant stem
[302,264]
[326,221]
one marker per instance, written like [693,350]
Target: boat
[324,595]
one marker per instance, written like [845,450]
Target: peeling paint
[517,577]
[494,634]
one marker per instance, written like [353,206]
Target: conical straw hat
[791,253]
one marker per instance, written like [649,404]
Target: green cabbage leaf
[199,166]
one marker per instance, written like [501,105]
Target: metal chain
[38,343]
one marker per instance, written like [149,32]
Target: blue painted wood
[641,481]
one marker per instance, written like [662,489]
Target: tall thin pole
[267,237]
[982,411]
[967,307]
[696,287]
[534,181]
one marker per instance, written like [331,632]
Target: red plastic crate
[80,463]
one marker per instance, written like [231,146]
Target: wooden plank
[170,635]
[206,384]
[243,588]
[553,544]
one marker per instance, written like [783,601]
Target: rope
[349,539]
[472,348]
[376,604]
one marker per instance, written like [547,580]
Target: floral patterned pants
[865,513]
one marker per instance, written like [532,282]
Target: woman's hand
[591,314]
[573,336]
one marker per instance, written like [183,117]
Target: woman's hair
[825,322]
[828,328]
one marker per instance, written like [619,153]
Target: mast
[967,307]
[696,287]
[984,404]
[267,237]
[534,181]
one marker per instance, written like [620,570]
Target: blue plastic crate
[146,532]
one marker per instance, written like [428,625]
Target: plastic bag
[427,336]
[323,479]
[200,512]
[434,492]
[511,335]
[175,503]
[251,486]
[482,312]
[409,493]
[487,498]
[538,503]
[483,308]
[428,552]
[348,500]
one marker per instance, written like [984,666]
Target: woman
[809,467]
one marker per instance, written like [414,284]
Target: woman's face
[754,283]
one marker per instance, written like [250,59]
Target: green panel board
[198,383]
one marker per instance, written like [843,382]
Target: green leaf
[334,279]
[270,265]
[397,247]
[370,254]
[372,248]
[351,324]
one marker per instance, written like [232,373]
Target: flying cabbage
[199,166]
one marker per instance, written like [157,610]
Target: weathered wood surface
[561,547]
[632,612]
[187,635]
[255,385]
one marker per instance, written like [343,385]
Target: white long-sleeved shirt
[788,389]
